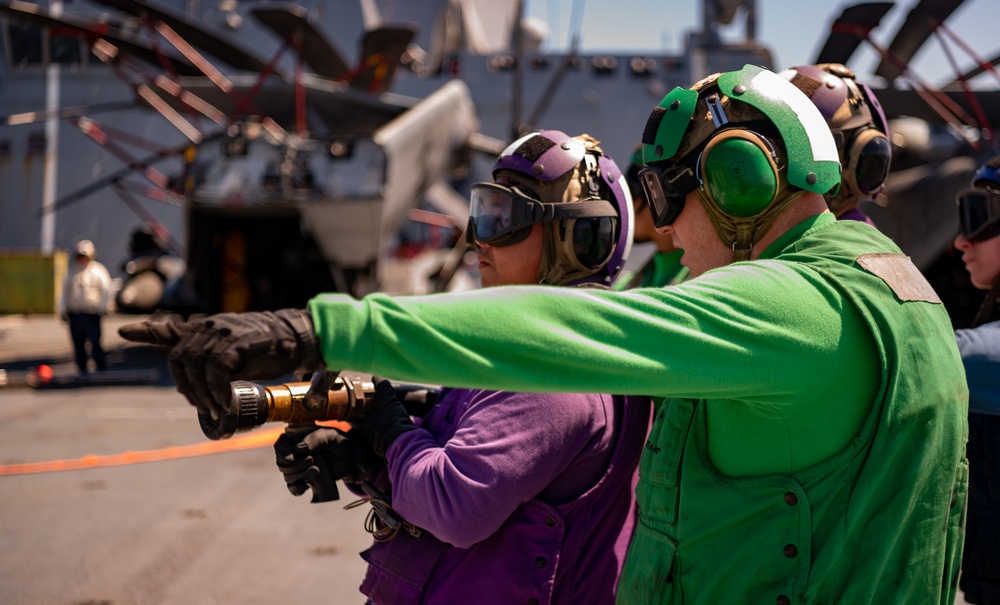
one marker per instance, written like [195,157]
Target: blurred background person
[85,300]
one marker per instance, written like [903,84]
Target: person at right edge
[979,242]
[859,128]
[809,446]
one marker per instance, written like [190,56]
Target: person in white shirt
[85,299]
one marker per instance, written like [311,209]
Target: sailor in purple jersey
[511,497]
[859,128]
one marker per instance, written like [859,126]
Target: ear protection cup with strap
[739,172]
[869,155]
[594,240]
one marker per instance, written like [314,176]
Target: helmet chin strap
[844,200]
[741,234]
[552,269]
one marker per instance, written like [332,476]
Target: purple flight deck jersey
[522,498]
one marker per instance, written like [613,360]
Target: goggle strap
[470,230]
[582,209]
[719,117]
[688,180]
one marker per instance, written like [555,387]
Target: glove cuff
[301,323]
[390,436]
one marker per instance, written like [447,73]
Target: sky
[794,30]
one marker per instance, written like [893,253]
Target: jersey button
[791,498]
[791,551]
[783,600]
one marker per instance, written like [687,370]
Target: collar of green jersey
[789,237]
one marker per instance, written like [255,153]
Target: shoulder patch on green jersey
[900,274]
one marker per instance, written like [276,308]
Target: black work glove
[208,353]
[386,420]
[316,458]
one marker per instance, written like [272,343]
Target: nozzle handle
[319,389]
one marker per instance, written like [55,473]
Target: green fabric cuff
[340,322]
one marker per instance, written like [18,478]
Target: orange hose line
[245,441]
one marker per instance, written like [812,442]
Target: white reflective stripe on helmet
[782,91]
[510,149]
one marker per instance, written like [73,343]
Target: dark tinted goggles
[502,216]
[978,214]
[666,187]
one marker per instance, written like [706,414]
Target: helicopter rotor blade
[850,29]
[972,73]
[915,30]
[214,42]
[291,23]
[93,31]
[381,50]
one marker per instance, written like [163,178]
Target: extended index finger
[154,333]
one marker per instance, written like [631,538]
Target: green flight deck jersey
[810,446]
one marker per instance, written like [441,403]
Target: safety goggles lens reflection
[978,214]
[666,188]
[498,214]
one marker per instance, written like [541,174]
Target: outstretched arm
[698,339]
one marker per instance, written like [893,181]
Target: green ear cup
[813,161]
[739,176]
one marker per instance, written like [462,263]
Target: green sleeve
[756,332]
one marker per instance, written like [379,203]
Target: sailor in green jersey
[664,267]
[809,447]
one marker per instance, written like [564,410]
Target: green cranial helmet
[747,135]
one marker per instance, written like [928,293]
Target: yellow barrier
[31,282]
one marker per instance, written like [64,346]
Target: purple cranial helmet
[546,155]
[857,122]
[560,169]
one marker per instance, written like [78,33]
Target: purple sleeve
[506,449]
